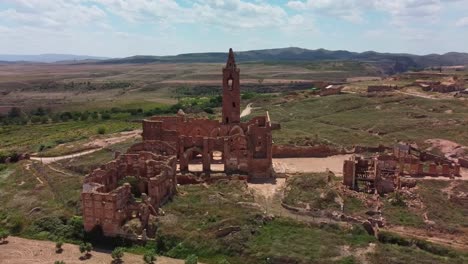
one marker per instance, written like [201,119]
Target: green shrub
[117,253]
[58,246]
[86,247]
[348,260]
[105,116]
[149,257]
[391,238]
[208,110]
[191,259]
[4,235]
[101,130]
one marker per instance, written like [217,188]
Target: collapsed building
[120,197]
[385,173]
[447,85]
[109,201]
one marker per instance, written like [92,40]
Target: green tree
[86,247]
[58,246]
[191,259]
[101,130]
[85,116]
[105,116]
[59,262]
[14,112]
[95,116]
[149,257]
[4,235]
[117,255]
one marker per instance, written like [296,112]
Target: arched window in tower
[230,84]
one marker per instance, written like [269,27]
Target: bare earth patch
[303,165]
[21,251]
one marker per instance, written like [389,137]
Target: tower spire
[231,91]
[231,61]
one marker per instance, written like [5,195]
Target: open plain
[60,122]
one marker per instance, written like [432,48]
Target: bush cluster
[57,228]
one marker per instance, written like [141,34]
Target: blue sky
[118,28]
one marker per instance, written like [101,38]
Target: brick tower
[231,91]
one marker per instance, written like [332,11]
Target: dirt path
[21,251]
[449,240]
[417,94]
[92,146]
[47,160]
[247,110]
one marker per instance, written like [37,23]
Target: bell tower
[231,91]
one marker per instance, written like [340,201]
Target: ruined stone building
[108,201]
[446,85]
[379,174]
[243,147]
[385,173]
[134,185]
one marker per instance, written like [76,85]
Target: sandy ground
[299,165]
[418,94]
[247,110]
[296,165]
[269,189]
[22,251]
[449,148]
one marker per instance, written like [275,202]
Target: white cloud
[52,13]
[401,11]
[462,22]
[350,10]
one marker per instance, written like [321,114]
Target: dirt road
[93,146]
[22,251]
[47,160]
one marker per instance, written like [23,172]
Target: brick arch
[154,146]
[216,132]
[188,152]
[238,141]
[236,130]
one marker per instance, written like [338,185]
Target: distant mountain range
[47,58]
[389,62]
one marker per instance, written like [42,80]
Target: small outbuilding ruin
[385,173]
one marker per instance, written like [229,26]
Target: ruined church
[109,199]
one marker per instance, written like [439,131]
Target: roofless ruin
[127,191]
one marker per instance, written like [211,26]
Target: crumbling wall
[288,151]
[109,206]
[463,162]
[381,88]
